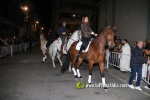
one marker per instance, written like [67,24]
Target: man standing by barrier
[136,62]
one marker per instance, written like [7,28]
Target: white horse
[43,42]
[55,47]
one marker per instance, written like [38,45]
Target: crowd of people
[132,59]
[13,41]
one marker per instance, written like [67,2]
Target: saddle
[78,46]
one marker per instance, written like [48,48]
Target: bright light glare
[74,15]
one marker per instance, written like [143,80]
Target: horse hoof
[42,61]
[76,77]
[81,77]
[105,88]
[89,85]
[55,67]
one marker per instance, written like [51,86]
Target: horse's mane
[101,30]
[104,28]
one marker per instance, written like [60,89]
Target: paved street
[24,77]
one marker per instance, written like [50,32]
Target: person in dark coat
[136,62]
[63,34]
[50,38]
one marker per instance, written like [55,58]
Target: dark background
[43,8]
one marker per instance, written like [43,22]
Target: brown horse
[95,54]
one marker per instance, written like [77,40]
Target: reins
[106,41]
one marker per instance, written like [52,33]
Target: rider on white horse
[63,34]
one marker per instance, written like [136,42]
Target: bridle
[79,35]
[107,40]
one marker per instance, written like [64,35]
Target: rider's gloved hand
[94,34]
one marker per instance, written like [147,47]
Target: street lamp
[42,28]
[74,15]
[25,10]
[37,22]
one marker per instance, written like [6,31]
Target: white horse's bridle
[79,36]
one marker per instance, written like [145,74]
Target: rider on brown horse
[86,34]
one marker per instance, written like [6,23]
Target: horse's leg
[70,68]
[45,56]
[53,58]
[90,72]
[101,67]
[43,51]
[58,56]
[78,66]
[73,69]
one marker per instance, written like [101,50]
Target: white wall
[131,19]
[103,15]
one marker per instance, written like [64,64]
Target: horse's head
[110,37]
[76,35]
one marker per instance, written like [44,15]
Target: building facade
[131,17]
[16,22]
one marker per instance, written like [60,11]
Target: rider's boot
[61,52]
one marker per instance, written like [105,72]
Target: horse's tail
[66,63]
[50,51]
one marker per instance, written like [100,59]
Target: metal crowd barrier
[11,49]
[114,59]
[146,73]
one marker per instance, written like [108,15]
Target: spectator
[136,62]
[125,57]
[134,45]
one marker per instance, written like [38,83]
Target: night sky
[43,10]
